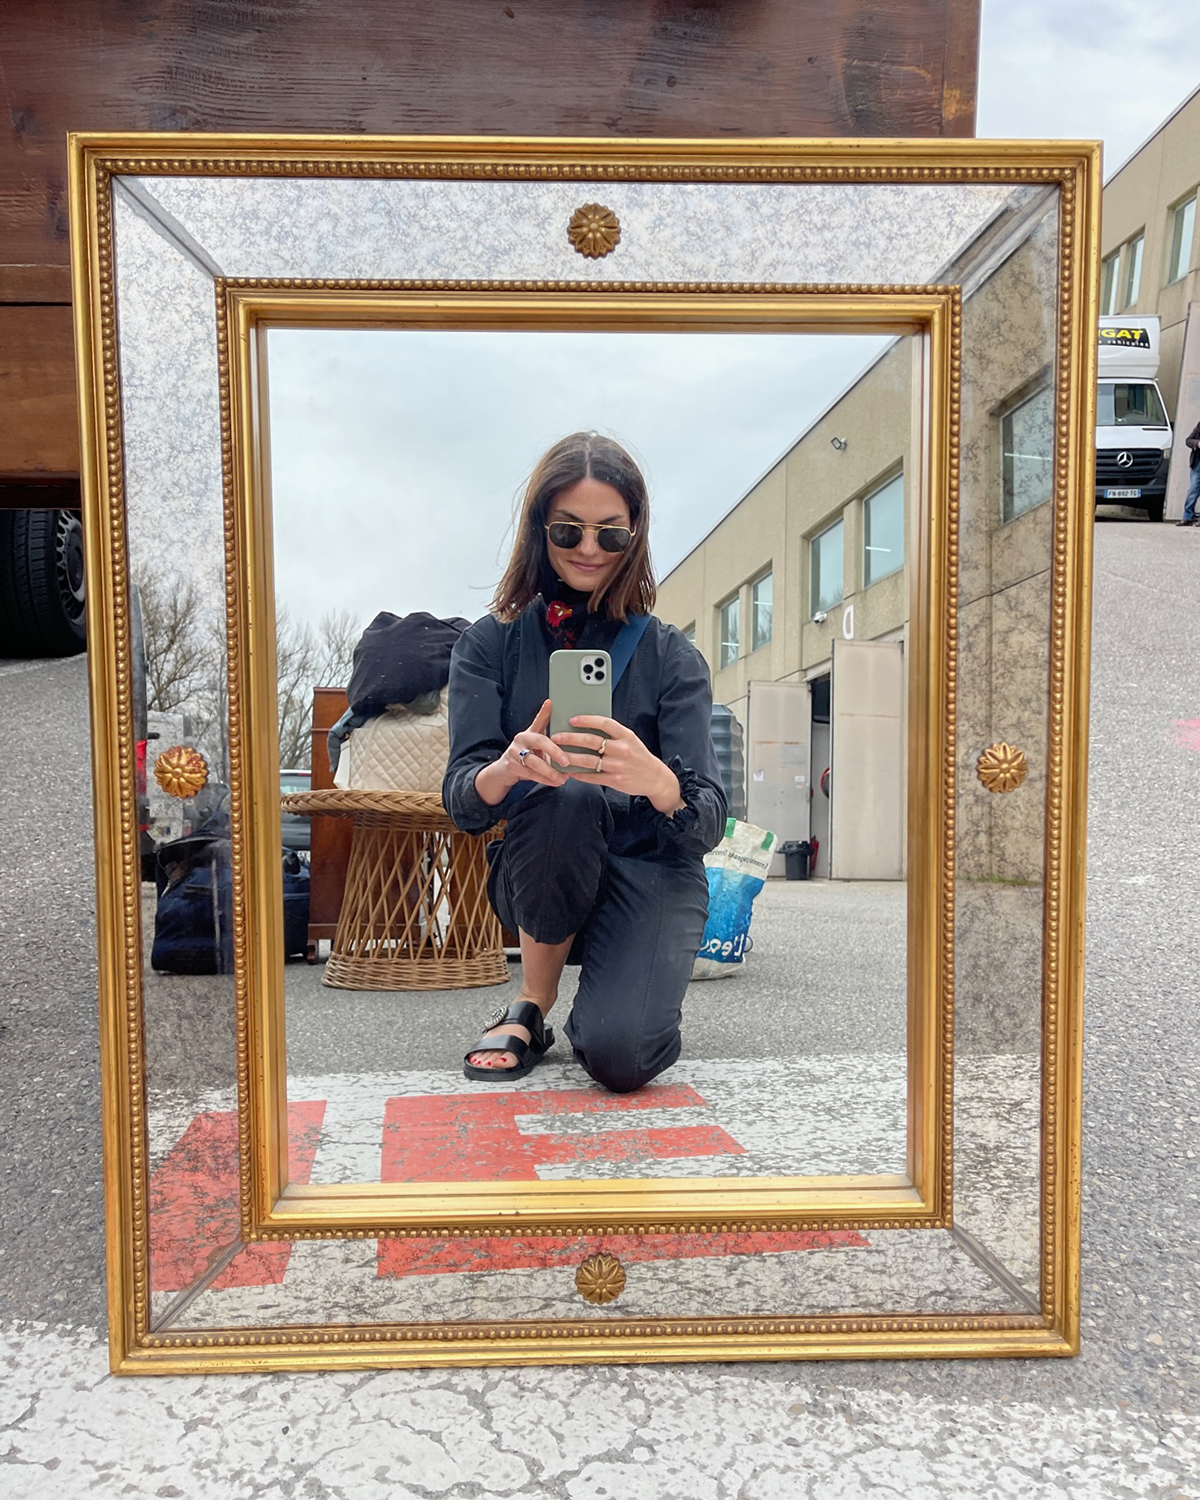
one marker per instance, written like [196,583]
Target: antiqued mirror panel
[1010,417]
[179,648]
[396,459]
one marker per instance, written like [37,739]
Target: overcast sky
[397,455]
[1101,70]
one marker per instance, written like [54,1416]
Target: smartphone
[580,683]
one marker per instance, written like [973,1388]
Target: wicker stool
[415,915]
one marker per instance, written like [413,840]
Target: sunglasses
[568,534]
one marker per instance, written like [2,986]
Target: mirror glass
[396,455]
[784,530]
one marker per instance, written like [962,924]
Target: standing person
[602,859]
[1193,489]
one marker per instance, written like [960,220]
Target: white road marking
[583,1433]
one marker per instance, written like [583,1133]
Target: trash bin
[797,856]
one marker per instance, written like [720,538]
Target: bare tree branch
[309,658]
[211,701]
[175,654]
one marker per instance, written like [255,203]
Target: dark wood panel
[38,426]
[539,67]
[330,836]
[518,67]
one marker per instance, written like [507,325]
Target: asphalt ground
[826,975]
[1118,1420]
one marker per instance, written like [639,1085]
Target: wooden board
[38,432]
[330,849]
[507,67]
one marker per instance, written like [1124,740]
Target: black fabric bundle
[399,658]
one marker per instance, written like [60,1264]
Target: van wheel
[41,583]
[1155,512]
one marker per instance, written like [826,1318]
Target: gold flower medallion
[1002,768]
[600,1279]
[594,230]
[181,771]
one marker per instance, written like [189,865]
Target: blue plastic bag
[736,869]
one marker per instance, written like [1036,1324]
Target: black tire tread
[32,619]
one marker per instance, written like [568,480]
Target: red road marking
[1187,734]
[476,1138]
[194,1203]
[434,1257]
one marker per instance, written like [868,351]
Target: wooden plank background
[510,67]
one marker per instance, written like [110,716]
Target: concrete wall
[768,529]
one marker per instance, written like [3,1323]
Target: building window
[689,632]
[729,631]
[883,532]
[1027,449]
[1108,284]
[760,612]
[1183,222]
[825,552]
[1133,269]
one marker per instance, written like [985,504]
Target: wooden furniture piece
[415,913]
[330,846]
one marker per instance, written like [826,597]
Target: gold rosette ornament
[1002,768]
[600,1279]
[594,230]
[181,771]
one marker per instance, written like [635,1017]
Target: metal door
[867,778]
[777,761]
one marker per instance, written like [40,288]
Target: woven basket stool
[415,914]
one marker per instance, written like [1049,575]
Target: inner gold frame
[95,159]
[271,1208]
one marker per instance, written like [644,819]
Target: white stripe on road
[578,1433]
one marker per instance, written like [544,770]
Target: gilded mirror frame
[269,1209]
[919,1198]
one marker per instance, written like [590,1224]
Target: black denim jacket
[499,676]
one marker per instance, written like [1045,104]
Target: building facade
[1150,241]
[800,598]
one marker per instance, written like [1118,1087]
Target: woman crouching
[601,864]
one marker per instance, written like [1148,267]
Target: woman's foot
[503,1061]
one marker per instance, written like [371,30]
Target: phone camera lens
[599,676]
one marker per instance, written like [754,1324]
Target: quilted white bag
[397,751]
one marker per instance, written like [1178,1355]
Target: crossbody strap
[626,644]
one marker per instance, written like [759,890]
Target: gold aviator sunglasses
[568,534]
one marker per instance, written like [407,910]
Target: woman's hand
[532,756]
[625,764]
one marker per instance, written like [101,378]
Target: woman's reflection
[608,822]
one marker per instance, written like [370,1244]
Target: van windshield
[1133,403]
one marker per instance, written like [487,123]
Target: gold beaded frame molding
[268,1211]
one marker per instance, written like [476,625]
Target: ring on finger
[521,754]
[600,752]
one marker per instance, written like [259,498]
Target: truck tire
[41,583]
[1154,512]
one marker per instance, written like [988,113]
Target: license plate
[1122,494]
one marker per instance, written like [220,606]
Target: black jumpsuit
[626,879]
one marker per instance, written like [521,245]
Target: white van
[1133,435]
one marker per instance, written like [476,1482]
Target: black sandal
[527,1053]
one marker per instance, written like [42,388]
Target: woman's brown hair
[582,455]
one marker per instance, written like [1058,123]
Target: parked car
[295,829]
